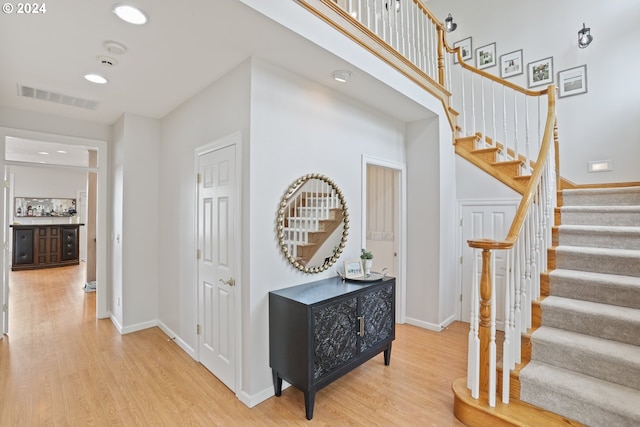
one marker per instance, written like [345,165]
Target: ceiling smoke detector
[115,47]
[107,61]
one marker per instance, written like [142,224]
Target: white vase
[367,263]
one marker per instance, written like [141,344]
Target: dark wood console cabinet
[45,246]
[320,331]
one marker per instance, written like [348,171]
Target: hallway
[59,366]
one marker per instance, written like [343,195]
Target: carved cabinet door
[377,308]
[335,336]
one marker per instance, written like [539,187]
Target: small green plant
[366,254]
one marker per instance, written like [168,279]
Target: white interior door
[217,263]
[484,221]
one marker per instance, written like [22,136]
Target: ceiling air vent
[45,95]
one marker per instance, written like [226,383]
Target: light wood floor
[59,366]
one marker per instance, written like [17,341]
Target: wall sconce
[386,5]
[584,37]
[449,25]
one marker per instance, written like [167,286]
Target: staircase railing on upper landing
[518,124]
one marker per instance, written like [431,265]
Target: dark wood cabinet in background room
[45,246]
[319,331]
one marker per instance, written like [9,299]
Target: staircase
[509,172]
[585,361]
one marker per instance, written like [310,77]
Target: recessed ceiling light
[61,152]
[130,14]
[44,153]
[341,76]
[95,78]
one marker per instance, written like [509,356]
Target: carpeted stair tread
[622,196]
[611,289]
[601,215]
[591,318]
[604,359]
[614,237]
[591,401]
[600,260]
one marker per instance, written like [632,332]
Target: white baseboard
[115,323]
[436,327]
[181,343]
[253,400]
[139,326]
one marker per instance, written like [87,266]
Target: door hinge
[5,307]
[461,297]
[461,221]
[198,178]
[460,260]
[198,329]
[198,254]
[7,184]
[6,246]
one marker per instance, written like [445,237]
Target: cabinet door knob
[230,282]
[361,331]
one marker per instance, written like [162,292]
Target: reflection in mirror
[313,223]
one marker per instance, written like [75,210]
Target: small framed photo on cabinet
[353,269]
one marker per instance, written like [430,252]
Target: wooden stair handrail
[548,138]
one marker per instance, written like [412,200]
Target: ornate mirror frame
[330,211]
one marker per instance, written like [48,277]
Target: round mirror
[313,223]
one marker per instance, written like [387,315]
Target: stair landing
[474,412]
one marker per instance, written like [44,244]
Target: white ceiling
[184,48]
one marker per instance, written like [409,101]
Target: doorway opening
[57,170]
[383,222]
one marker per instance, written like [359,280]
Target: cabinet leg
[309,400]
[387,355]
[277,383]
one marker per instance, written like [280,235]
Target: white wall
[431,224]
[599,125]
[302,128]
[116,223]
[135,237]
[219,110]
[290,127]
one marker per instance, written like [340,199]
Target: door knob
[229,282]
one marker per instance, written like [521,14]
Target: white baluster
[526,133]
[516,151]
[506,345]
[473,360]
[505,143]
[492,342]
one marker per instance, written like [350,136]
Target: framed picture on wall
[511,64]
[540,72]
[465,50]
[486,56]
[572,81]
